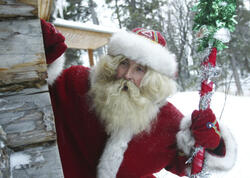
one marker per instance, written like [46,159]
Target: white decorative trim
[113,153]
[143,51]
[185,140]
[55,69]
[223,163]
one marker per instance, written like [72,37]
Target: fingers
[205,128]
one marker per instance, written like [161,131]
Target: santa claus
[114,120]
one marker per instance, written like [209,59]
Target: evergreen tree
[235,60]
[138,13]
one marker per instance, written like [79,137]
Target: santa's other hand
[53,42]
[205,128]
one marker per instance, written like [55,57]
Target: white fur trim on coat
[143,51]
[113,154]
[55,69]
[185,142]
[223,163]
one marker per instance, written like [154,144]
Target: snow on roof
[84,26]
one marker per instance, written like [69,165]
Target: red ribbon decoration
[206,87]
[211,59]
[198,161]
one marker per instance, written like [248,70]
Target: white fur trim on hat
[143,51]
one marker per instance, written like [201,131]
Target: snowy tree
[138,13]
[236,59]
[180,39]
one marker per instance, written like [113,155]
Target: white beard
[120,108]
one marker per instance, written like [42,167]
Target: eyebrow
[143,66]
[124,59]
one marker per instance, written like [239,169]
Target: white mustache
[127,85]
[123,85]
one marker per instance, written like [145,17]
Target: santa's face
[130,70]
[124,95]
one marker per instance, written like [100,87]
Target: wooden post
[91,59]
[44,8]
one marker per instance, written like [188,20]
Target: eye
[140,69]
[124,63]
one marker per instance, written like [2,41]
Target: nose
[129,74]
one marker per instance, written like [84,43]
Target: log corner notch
[27,129]
[82,36]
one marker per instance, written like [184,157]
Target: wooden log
[4,156]
[38,162]
[18,8]
[5,162]
[27,117]
[22,59]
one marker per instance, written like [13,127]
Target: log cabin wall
[27,133]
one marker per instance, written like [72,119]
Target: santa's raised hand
[205,128]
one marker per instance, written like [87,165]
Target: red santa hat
[146,47]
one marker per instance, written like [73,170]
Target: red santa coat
[82,138]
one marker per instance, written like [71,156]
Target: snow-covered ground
[236,116]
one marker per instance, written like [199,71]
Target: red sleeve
[76,124]
[72,83]
[173,117]
[177,165]
[74,79]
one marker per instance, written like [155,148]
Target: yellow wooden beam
[81,39]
